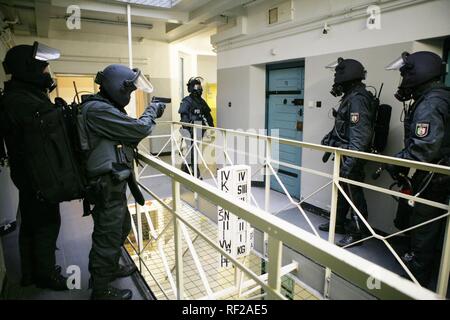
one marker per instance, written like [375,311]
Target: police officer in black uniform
[110,138]
[426,139]
[353,130]
[25,95]
[194,109]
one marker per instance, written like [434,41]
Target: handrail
[346,264]
[346,152]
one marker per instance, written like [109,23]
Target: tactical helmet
[27,63]
[195,85]
[416,69]
[118,82]
[346,71]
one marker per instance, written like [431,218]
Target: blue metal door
[285,119]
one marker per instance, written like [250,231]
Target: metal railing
[279,232]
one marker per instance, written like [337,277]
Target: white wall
[303,38]
[207,68]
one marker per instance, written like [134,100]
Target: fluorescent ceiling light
[153,3]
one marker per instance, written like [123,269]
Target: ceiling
[46,18]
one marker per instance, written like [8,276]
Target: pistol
[326,156]
[161,100]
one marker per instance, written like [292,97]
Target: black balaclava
[194,86]
[21,64]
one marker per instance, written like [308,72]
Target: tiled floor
[217,279]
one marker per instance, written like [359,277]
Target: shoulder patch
[354,117]
[422,129]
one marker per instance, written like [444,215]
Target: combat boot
[348,239]
[56,281]
[326,227]
[125,271]
[111,293]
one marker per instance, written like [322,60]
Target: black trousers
[426,241]
[356,194]
[112,224]
[188,136]
[39,230]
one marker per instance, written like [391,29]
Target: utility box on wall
[282,12]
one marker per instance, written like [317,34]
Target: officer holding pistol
[426,139]
[195,110]
[109,138]
[353,130]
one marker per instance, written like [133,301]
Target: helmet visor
[141,82]
[45,53]
[332,66]
[398,63]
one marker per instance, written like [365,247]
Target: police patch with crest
[422,129]
[354,117]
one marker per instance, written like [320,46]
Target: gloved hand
[344,172]
[326,140]
[158,107]
[396,171]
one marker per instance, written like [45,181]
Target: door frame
[300,63]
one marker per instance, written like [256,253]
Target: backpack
[381,129]
[53,159]
[382,120]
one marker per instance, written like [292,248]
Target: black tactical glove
[396,171]
[158,107]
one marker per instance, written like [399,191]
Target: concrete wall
[8,192]
[401,21]
[207,68]
[9,197]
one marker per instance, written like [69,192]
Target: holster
[127,174]
[135,191]
[102,191]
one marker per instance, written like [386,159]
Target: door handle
[297,102]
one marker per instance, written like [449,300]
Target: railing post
[225,146]
[333,210]
[194,165]
[172,144]
[138,211]
[140,239]
[176,205]
[445,261]
[274,268]
[267,188]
